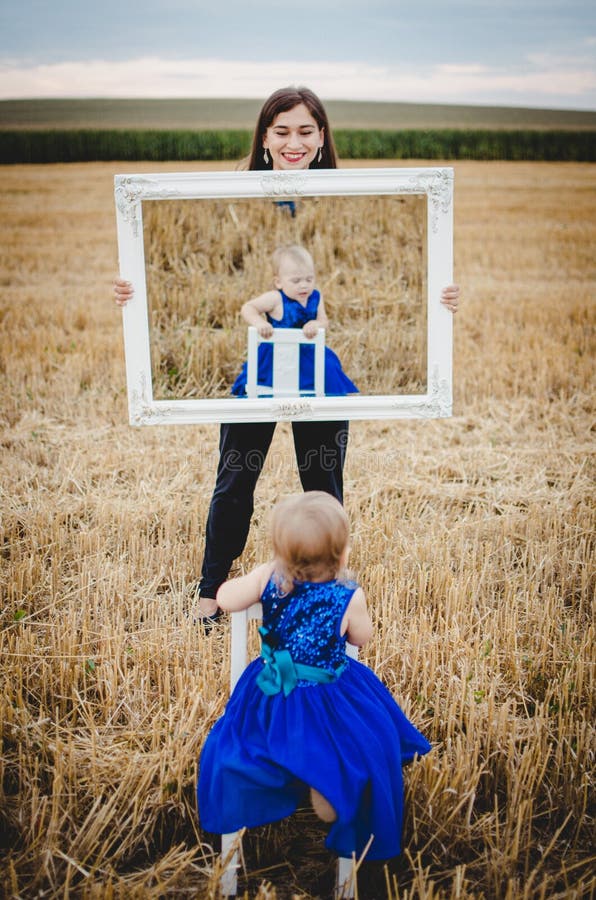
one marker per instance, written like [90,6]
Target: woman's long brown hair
[284,100]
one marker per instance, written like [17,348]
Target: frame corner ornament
[131,190]
[440,400]
[437,184]
[140,406]
[128,194]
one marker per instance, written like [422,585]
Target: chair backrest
[286,362]
[238,649]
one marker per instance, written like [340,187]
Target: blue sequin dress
[304,714]
[295,315]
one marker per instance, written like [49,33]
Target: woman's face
[293,139]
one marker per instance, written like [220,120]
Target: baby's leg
[322,807]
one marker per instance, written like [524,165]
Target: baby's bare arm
[321,320]
[311,327]
[242,592]
[357,623]
[254,311]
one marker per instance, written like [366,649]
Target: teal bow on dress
[281,673]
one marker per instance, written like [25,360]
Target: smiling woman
[292,132]
[293,124]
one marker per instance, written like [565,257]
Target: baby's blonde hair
[294,251]
[310,533]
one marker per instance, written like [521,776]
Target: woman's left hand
[450,297]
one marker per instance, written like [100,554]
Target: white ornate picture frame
[435,183]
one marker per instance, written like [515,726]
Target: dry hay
[473,538]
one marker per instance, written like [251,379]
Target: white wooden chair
[230,843]
[286,363]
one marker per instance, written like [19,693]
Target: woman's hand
[450,297]
[123,291]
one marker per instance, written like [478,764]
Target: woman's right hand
[123,291]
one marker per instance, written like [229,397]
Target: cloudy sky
[539,53]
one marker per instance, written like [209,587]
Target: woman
[291,133]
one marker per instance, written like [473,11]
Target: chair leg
[345,884]
[230,856]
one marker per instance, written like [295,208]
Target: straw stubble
[472,537]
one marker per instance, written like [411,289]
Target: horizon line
[411,103]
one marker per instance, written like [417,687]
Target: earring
[266,156]
[320,156]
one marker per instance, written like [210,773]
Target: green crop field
[91,130]
[215,113]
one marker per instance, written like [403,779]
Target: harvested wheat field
[472,537]
[203,258]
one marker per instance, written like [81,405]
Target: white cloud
[543,82]
[459,69]
[558,62]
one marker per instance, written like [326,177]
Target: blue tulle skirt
[348,740]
